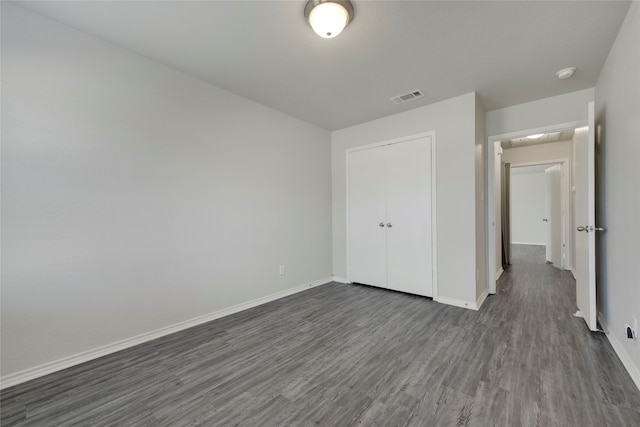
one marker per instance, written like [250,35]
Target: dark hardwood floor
[340,355]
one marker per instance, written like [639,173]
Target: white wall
[481,207]
[453,121]
[528,207]
[135,197]
[538,114]
[617,95]
[538,153]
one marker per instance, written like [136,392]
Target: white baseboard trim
[499,273]
[458,303]
[76,359]
[632,368]
[483,296]
[573,273]
[528,243]
[340,279]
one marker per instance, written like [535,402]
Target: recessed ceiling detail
[400,99]
[564,135]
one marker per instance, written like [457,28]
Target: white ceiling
[507,51]
[564,135]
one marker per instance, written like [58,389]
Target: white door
[553,176]
[584,152]
[409,257]
[367,217]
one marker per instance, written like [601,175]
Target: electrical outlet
[282,270]
[631,331]
[628,332]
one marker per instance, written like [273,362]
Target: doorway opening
[581,213]
[539,195]
[530,151]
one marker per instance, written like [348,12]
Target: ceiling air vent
[400,99]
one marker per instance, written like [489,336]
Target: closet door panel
[367,206]
[409,251]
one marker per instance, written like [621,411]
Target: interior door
[409,239]
[548,247]
[585,234]
[367,217]
[553,176]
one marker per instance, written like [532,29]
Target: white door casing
[554,241]
[548,247]
[585,233]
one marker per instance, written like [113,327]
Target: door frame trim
[434,253]
[565,200]
[491,214]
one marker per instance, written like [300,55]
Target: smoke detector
[565,73]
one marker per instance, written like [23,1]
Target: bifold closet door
[390,241]
[408,205]
[367,226]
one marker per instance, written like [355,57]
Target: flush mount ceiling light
[535,136]
[328,17]
[565,73]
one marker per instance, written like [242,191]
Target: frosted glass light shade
[328,19]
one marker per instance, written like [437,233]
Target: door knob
[389,225]
[381,224]
[545,220]
[581,228]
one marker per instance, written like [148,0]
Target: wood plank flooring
[340,355]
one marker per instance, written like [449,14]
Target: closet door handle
[389,225]
[381,224]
